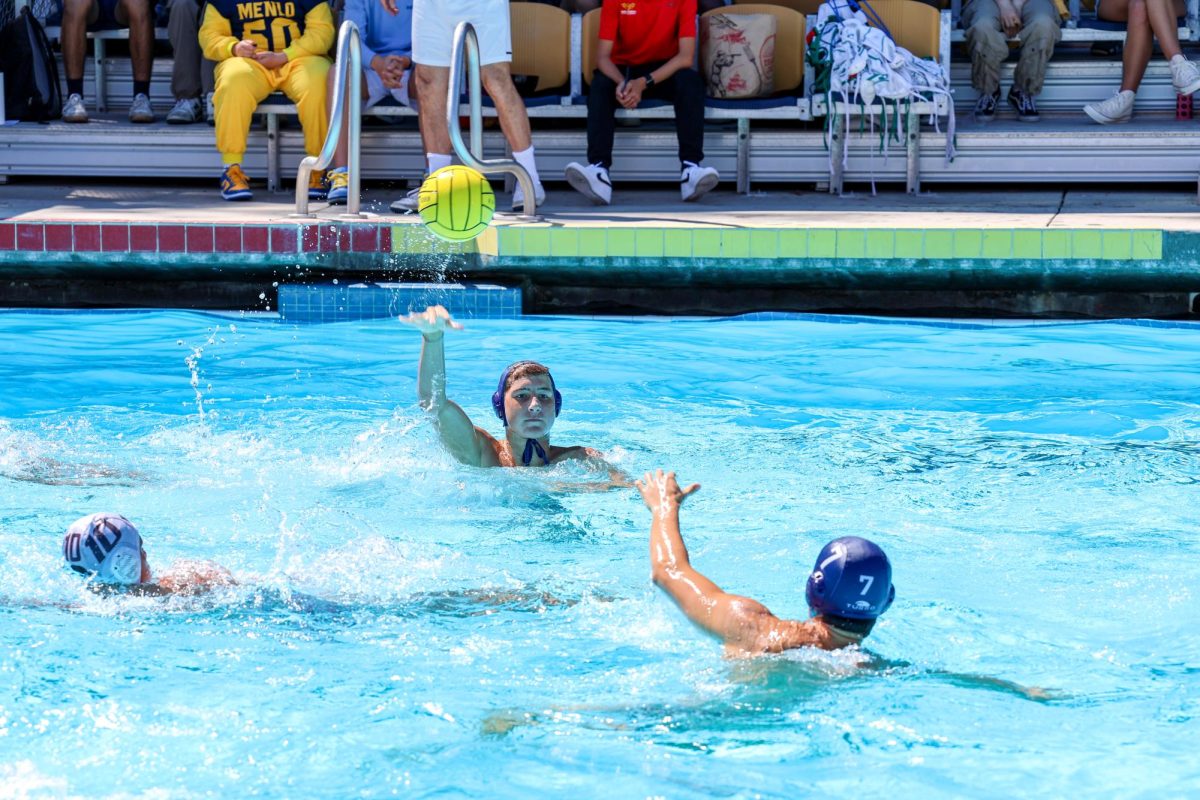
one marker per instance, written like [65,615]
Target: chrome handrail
[349,67]
[465,41]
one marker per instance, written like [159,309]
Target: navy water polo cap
[106,546]
[498,395]
[852,578]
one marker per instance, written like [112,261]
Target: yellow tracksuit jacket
[300,29]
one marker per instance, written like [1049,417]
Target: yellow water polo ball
[456,203]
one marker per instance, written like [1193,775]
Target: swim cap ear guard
[105,546]
[852,578]
[498,395]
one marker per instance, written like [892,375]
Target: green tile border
[775,244]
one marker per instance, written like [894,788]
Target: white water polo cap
[105,546]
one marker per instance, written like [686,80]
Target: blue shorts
[106,17]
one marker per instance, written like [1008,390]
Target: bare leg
[137,15]
[432,84]
[1145,20]
[514,120]
[1139,42]
[76,16]
[1163,21]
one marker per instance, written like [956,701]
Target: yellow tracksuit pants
[243,83]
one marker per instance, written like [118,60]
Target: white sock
[435,161]
[1177,57]
[525,159]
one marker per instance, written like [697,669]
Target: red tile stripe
[59,238]
[228,239]
[199,238]
[30,237]
[143,238]
[87,238]
[256,239]
[114,237]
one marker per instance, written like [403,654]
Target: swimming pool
[407,626]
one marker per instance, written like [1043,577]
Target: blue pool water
[408,626]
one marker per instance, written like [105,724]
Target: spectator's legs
[688,89]
[514,119]
[1139,44]
[985,43]
[76,15]
[1039,33]
[139,16]
[432,85]
[242,84]
[601,125]
[303,80]
[183,25]
[1163,21]
[1139,17]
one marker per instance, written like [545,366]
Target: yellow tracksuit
[302,30]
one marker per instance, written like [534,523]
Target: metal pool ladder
[349,70]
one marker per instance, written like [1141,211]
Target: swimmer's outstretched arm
[189,577]
[594,460]
[746,626]
[454,427]
[966,680]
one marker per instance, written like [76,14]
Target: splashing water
[406,625]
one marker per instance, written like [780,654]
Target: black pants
[685,89]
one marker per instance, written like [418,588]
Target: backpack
[31,89]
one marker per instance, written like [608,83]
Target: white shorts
[376,91]
[434,21]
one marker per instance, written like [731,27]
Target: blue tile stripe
[330,302]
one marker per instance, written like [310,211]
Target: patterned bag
[737,52]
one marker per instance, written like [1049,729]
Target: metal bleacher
[786,144]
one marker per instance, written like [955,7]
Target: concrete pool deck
[778,241]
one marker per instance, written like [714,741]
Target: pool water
[404,625]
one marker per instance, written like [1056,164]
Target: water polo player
[107,549]
[848,588]
[526,401]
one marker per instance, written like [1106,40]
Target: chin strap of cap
[530,446]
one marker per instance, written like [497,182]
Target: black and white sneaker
[591,181]
[1024,106]
[696,181]
[985,106]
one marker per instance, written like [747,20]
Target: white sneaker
[141,111]
[186,111]
[1118,108]
[74,110]
[591,181]
[1185,75]
[410,202]
[696,181]
[539,196]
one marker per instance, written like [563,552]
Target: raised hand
[661,492]
[432,322]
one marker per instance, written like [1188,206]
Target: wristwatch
[649,80]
